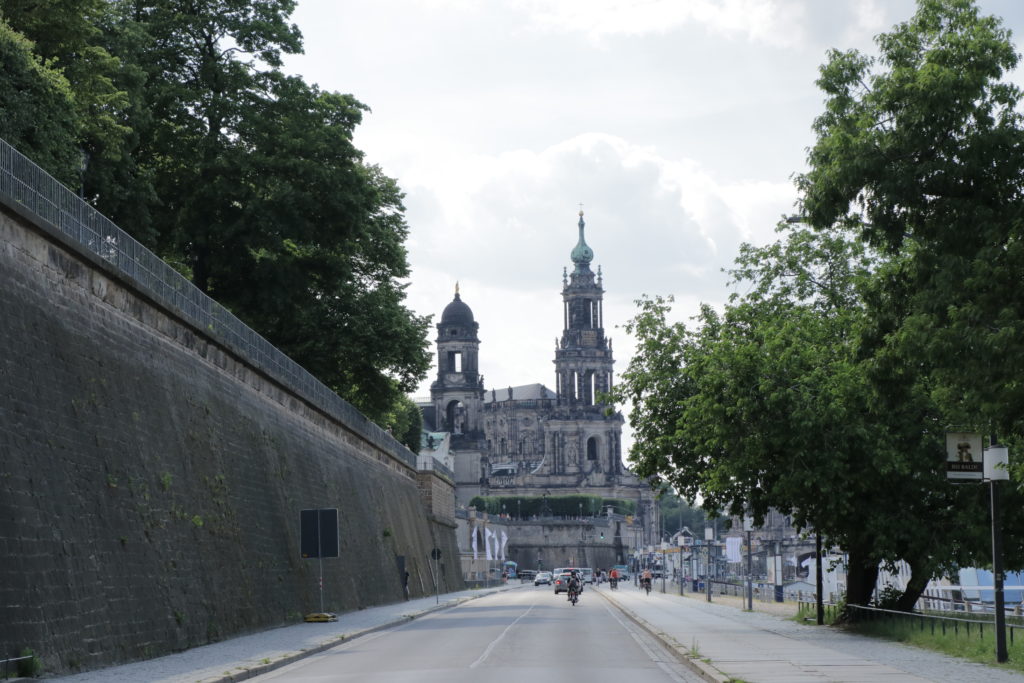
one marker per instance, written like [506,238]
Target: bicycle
[647,585]
[574,591]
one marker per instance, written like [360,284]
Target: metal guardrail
[425,463]
[955,624]
[33,193]
[6,668]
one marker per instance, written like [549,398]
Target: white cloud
[761,21]
[677,123]
[504,226]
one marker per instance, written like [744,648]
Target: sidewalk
[722,642]
[247,656]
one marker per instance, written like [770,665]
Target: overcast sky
[678,124]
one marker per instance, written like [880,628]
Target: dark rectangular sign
[319,533]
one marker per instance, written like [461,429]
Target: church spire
[582,254]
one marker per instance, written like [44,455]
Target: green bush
[558,506]
[29,668]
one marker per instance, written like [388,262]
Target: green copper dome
[582,255]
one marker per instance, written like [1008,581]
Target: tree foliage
[825,390]
[242,177]
[69,36]
[922,152]
[676,514]
[769,404]
[405,422]
[37,109]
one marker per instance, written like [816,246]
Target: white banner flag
[504,540]
[487,542]
[732,549]
[475,533]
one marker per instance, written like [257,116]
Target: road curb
[247,672]
[698,666]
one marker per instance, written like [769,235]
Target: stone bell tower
[458,392]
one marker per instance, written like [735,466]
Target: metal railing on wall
[33,193]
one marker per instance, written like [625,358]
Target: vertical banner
[487,542]
[732,549]
[475,532]
[504,540]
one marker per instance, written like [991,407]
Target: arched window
[452,415]
[592,448]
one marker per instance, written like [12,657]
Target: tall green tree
[921,150]
[266,202]
[242,177]
[769,404]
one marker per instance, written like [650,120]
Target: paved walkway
[243,657]
[725,642]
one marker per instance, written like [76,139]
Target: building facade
[531,440]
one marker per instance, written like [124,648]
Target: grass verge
[977,646]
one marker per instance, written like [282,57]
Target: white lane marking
[646,648]
[487,652]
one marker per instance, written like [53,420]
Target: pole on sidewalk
[817,579]
[709,536]
[750,578]
[993,455]
[664,570]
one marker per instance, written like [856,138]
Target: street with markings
[521,636]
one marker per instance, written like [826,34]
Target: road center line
[497,640]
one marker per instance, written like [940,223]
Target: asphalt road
[522,636]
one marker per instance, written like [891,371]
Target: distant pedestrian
[405,585]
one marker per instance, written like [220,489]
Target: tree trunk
[861,579]
[919,577]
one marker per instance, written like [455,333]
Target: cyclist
[645,580]
[575,585]
[613,578]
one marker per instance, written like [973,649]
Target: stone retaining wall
[151,480]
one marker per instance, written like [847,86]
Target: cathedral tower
[457,394]
[583,356]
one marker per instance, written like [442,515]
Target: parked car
[542,578]
[588,575]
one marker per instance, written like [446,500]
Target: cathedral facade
[532,440]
